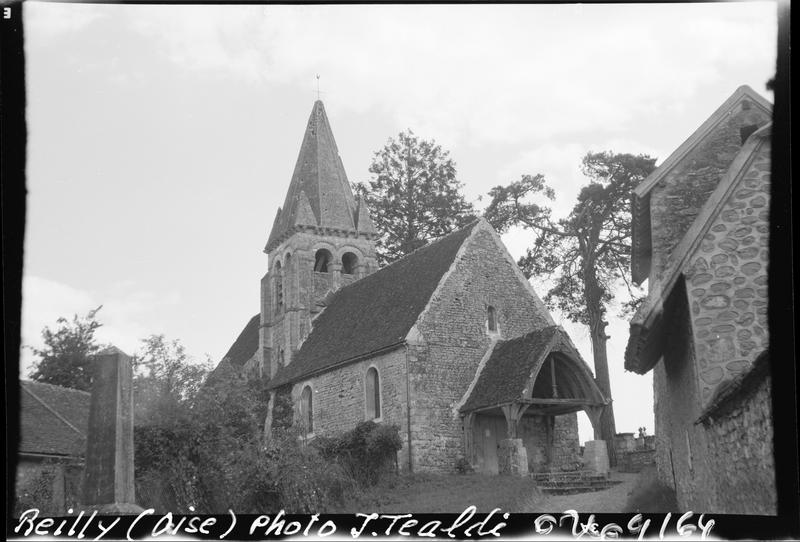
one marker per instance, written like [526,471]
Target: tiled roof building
[417,343]
[701,239]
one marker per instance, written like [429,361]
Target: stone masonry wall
[453,337]
[566,443]
[681,451]
[741,454]
[339,397]
[676,200]
[728,281]
[286,328]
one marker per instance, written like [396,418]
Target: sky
[161,139]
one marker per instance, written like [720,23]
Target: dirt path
[607,501]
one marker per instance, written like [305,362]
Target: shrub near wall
[367,452]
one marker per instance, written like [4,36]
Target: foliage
[37,493]
[304,480]
[365,451]
[587,253]
[592,245]
[463,466]
[165,379]
[651,495]
[413,196]
[66,359]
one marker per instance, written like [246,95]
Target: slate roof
[640,356]
[246,344]
[509,367]
[319,193]
[53,420]
[376,312]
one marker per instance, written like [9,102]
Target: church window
[491,319]
[322,260]
[373,393]
[307,410]
[349,263]
[278,287]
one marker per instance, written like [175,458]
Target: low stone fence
[636,460]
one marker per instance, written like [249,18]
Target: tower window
[373,394]
[491,319]
[307,410]
[322,260]
[349,263]
[278,287]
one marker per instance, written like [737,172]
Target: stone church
[450,343]
[701,240]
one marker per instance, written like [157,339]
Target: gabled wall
[728,281]
[451,338]
[678,197]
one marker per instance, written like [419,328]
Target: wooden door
[488,432]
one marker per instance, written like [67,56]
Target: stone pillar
[595,457]
[512,457]
[108,484]
[336,272]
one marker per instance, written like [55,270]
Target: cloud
[49,20]
[476,73]
[124,314]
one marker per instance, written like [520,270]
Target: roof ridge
[405,256]
[56,386]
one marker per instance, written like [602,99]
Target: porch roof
[509,374]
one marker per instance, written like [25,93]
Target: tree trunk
[597,329]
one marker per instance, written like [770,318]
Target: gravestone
[108,485]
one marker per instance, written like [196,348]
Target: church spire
[319,193]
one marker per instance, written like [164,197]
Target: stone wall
[635,460]
[566,443]
[741,453]
[52,486]
[682,452]
[676,200]
[284,329]
[453,337]
[728,281]
[339,397]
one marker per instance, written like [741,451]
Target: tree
[66,357]
[165,379]
[589,251]
[414,195]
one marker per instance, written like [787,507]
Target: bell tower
[322,239]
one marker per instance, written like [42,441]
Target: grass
[651,495]
[445,493]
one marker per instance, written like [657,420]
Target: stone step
[588,483]
[570,475]
[568,489]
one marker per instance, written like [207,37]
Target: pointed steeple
[319,193]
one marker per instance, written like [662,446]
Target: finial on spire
[317,86]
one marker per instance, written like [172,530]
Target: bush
[366,452]
[463,466]
[37,493]
[302,479]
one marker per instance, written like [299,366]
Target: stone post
[108,484]
[512,457]
[595,457]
